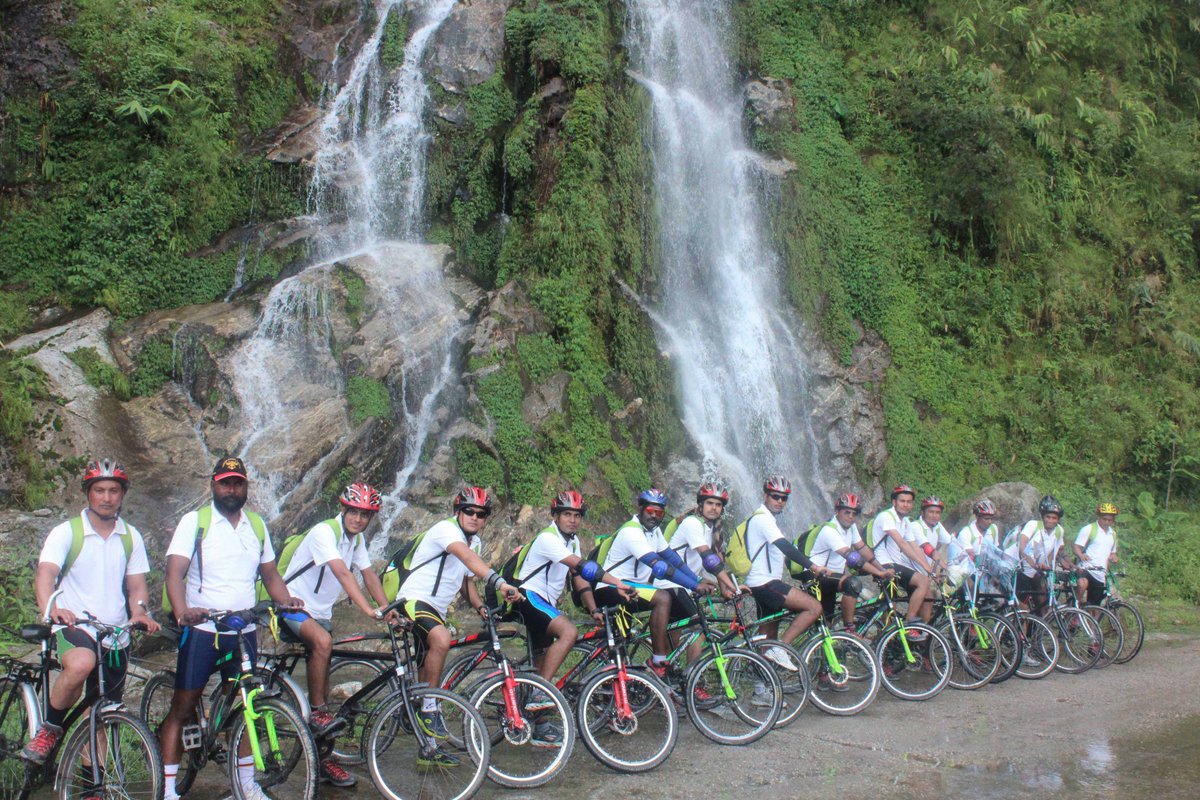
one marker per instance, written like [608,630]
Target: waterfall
[365,198]
[725,321]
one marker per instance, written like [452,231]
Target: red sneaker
[42,744]
[333,773]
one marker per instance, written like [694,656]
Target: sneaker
[333,773]
[917,635]
[702,695]
[172,796]
[546,734]
[433,724]
[438,757]
[252,791]
[538,700]
[322,723]
[1029,661]
[780,657]
[42,744]
[659,670]
[761,698]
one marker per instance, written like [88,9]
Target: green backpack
[203,523]
[77,547]
[510,571]
[289,549]
[400,566]
[805,543]
[737,556]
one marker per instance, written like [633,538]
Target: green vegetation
[22,383]
[476,466]
[100,373]
[155,366]
[368,398]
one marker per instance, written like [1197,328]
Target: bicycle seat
[35,633]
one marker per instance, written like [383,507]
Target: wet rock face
[32,57]
[465,51]
[768,97]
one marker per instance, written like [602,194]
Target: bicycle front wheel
[914,668]
[408,762]
[634,740]
[785,660]
[529,745]
[733,697]
[289,754]
[1008,640]
[1039,647]
[127,763]
[1132,628]
[17,727]
[977,656]
[1110,629]
[842,671]
[1080,640]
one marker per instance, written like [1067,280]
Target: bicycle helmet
[933,501]
[570,500]
[472,497]
[712,490]
[1107,509]
[1050,505]
[848,500]
[362,496]
[984,507]
[105,469]
[778,485]
[903,488]
[652,497]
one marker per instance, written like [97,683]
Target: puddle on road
[1161,766]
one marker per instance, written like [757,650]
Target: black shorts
[829,591]
[904,577]
[1096,588]
[609,596]
[771,597]
[425,618]
[1028,587]
[114,663]
[682,604]
[536,615]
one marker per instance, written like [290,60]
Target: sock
[429,704]
[56,717]
[657,659]
[246,771]
[169,773]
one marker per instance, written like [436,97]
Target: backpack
[1094,531]
[77,547]
[737,556]
[805,543]
[400,566]
[289,549]
[203,523]
[1011,540]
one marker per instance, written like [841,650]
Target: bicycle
[130,764]
[1110,627]
[978,647]
[1130,618]
[243,718]
[915,658]
[1037,651]
[1078,634]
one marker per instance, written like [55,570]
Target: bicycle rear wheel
[1080,640]
[1010,643]
[794,681]
[346,677]
[1110,628]
[636,742]
[977,656]
[842,671]
[522,756]
[914,670]
[156,702]
[1040,649]
[742,706]
[129,765]
[1132,627]
[406,763]
[465,672]
[17,726]
[288,752]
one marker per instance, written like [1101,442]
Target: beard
[229,504]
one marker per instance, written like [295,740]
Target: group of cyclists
[221,556]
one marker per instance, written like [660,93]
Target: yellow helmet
[1107,508]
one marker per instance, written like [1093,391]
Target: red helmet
[472,497]
[712,490]
[848,500]
[984,506]
[777,484]
[361,495]
[105,469]
[570,500]
[903,488]
[933,501]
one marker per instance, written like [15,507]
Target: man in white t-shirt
[931,535]
[1095,548]
[318,572]
[214,558]
[838,547]
[1039,547]
[895,546]
[979,530]
[695,536]
[95,560]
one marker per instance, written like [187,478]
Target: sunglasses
[652,511]
[481,513]
[778,497]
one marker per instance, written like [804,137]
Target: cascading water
[366,197]
[727,325]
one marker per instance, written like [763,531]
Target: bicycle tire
[977,656]
[1010,642]
[134,767]
[572,684]
[918,671]
[611,740]
[153,708]
[17,726]
[516,760]
[1113,635]
[745,703]
[1040,649]
[1133,628]
[289,690]
[347,676]
[291,771]
[395,746]
[1079,637]
[795,683]
[850,687]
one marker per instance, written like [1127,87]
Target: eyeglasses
[481,513]
[781,498]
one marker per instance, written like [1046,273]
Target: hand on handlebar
[192,616]
[63,616]
[627,592]
[511,593]
[145,622]
[292,604]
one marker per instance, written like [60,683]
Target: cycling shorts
[771,597]
[609,596]
[199,657]
[1096,588]
[536,615]
[289,631]
[114,663]
[904,576]
[425,618]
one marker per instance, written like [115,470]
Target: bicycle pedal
[193,737]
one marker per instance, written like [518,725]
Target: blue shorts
[198,658]
[289,631]
[537,614]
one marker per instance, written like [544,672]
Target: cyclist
[446,558]
[1095,548]
[771,593]
[114,555]
[838,547]
[553,555]
[693,539]
[979,530]
[897,548]
[641,557]
[214,566]
[930,532]
[317,574]
[1039,543]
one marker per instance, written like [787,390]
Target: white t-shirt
[969,537]
[832,537]
[630,543]
[766,560]
[321,545]
[693,532]
[97,577]
[231,559]
[423,581]
[888,550]
[1042,547]
[1103,543]
[935,536]
[549,547]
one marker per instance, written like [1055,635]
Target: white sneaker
[1029,661]
[253,791]
[761,699]
[780,656]
[172,796]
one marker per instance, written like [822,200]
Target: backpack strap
[761,547]
[203,523]
[77,546]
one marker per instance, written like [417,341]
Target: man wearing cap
[214,557]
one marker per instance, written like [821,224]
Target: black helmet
[1050,505]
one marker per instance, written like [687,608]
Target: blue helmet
[652,497]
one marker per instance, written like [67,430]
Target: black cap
[232,467]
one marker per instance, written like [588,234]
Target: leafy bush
[367,398]
[100,373]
